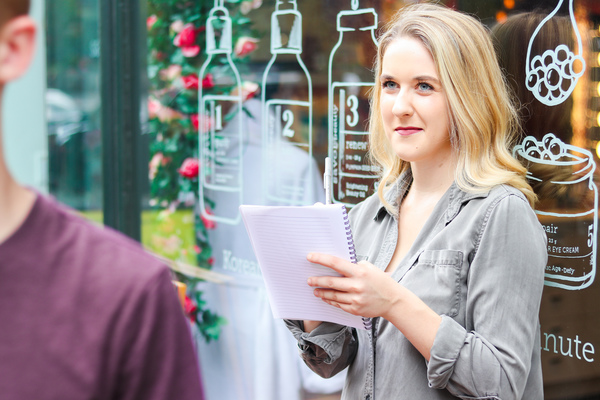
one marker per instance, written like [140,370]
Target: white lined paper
[281,238]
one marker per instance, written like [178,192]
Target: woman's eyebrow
[385,77]
[427,78]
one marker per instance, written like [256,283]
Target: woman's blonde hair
[483,120]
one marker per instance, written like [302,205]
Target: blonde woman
[452,254]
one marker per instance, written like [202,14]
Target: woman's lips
[411,130]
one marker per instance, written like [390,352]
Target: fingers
[333,295]
[339,265]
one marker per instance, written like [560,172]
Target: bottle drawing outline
[345,126]
[540,74]
[282,115]
[570,165]
[220,142]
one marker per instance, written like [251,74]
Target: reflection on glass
[349,84]
[562,176]
[72,105]
[220,139]
[287,109]
[553,73]
[544,55]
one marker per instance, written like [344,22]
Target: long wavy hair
[484,122]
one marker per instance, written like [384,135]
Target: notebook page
[281,238]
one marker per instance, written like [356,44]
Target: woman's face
[413,104]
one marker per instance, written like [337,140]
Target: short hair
[10,9]
[483,120]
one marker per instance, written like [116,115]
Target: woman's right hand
[309,326]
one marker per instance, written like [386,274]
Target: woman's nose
[402,105]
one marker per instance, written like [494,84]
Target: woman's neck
[432,178]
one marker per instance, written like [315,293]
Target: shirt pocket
[435,279]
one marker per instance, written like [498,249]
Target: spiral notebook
[281,238]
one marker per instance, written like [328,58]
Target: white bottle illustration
[287,109]
[552,75]
[350,81]
[562,175]
[220,124]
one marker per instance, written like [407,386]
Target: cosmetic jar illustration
[562,176]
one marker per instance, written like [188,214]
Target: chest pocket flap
[435,279]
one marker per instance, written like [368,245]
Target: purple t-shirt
[85,313]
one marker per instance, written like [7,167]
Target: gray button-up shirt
[479,263]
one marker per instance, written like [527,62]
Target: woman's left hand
[362,290]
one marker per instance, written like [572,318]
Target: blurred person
[451,253]
[86,313]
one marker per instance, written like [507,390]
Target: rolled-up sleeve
[328,349]
[504,287]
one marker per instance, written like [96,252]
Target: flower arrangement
[176,40]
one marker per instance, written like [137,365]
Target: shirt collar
[455,197]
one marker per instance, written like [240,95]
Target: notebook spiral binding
[366,321]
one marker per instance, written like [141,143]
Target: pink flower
[186,40]
[186,37]
[249,90]
[167,114]
[190,309]
[195,121]
[211,261]
[190,81]
[207,125]
[191,51]
[150,21]
[197,249]
[245,45]
[154,107]
[249,5]
[153,165]
[208,223]
[171,72]
[189,168]
[177,26]
[208,82]
[157,110]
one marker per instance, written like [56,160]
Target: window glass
[73,104]
[549,51]
[247,98]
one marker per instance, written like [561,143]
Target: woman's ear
[17,45]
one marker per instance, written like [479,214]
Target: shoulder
[507,199]
[100,255]
[507,213]
[500,198]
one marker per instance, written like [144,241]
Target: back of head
[483,120]
[10,9]
[537,118]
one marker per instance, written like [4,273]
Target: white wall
[25,138]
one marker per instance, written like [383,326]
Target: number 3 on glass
[352,103]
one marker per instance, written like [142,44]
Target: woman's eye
[425,87]
[389,85]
